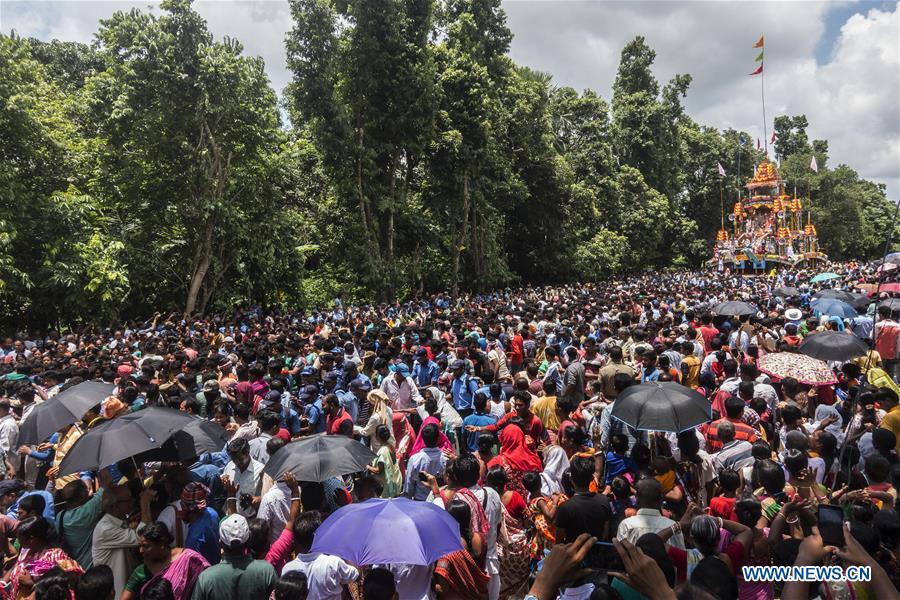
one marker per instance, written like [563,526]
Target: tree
[790,135]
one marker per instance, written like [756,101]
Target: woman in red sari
[515,457]
[460,575]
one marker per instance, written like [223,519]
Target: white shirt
[403,395]
[248,482]
[325,574]
[494,514]
[275,509]
[9,435]
[168,518]
[647,520]
[413,581]
[258,450]
[114,544]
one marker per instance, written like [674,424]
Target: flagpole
[762,87]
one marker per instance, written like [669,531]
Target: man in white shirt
[648,519]
[275,509]
[114,543]
[9,429]
[326,575]
[246,474]
[401,388]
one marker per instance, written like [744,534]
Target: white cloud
[851,100]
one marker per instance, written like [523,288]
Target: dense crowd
[498,409]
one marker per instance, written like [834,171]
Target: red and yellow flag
[760,42]
[757,71]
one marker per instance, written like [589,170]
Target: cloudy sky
[836,62]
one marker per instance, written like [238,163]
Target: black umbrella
[197,437]
[319,457]
[836,294]
[892,303]
[63,409]
[833,345]
[860,301]
[733,308]
[786,292]
[661,406]
[135,433]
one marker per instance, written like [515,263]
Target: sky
[836,62]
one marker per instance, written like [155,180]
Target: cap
[234,531]
[458,364]
[402,369]
[330,376]
[308,371]
[229,339]
[193,496]
[421,352]
[11,486]
[360,384]
[308,392]
[337,351]
[211,385]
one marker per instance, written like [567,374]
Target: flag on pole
[758,144]
[721,169]
[773,138]
[760,56]
[742,140]
[758,70]
[760,43]
[813,165]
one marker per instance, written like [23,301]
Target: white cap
[229,339]
[234,531]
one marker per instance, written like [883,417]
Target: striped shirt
[736,454]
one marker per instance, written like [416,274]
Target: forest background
[156,169]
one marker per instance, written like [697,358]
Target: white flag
[813,165]
[721,169]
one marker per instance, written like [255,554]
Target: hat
[124,370]
[308,371]
[458,364]
[273,396]
[402,369]
[421,352]
[793,314]
[337,351]
[360,384]
[193,496]
[234,531]
[211,385]
[11,486]
[308,392]
[330,376]
[228,339]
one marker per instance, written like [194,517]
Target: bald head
[649,493]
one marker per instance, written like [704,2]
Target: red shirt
[720,506]
[533,426]
[333,425]
[517,350]
[742,432]
[708,333]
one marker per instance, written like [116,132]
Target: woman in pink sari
[37,556]
[443,440]
[179,566]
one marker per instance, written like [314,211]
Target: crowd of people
[495,407]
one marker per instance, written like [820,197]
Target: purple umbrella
[378,532]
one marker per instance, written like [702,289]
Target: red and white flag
[773,138]
[721,169]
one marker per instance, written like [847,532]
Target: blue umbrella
[824,277]
[893,257]
[399,530]
[833,307]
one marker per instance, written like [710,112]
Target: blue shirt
[463,392]
[203,536]
[49,509]
[471,437]
[350,403]
[316,416]
[651,376]
[427,374]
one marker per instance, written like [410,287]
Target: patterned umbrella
[890,287]
[804,369]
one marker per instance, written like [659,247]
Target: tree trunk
[199,274]
[458,243]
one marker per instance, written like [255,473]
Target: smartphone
[423,476]
[603,556]
[831,525]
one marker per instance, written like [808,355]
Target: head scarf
[555,464]
[380,403]
[822,412]
[443,441]
[449,417]
[515,453]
